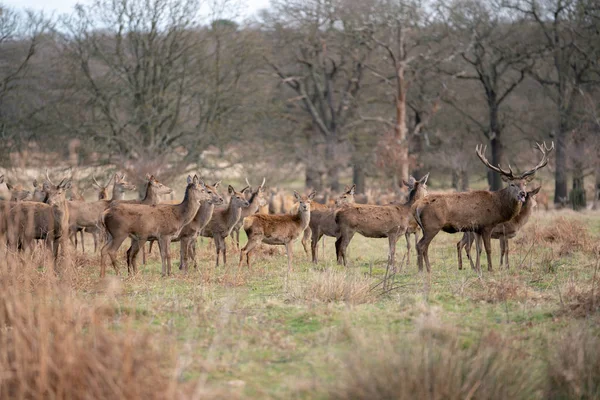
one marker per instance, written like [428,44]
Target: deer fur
[28,221]
[476,211]
[503,232]
[322,221]
[142,222]
[223,221]
[278,229]
[256,200]
[189,233]
[373,221]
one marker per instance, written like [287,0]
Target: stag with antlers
[476,211]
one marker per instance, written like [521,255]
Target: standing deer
[28,221]
[374,221]
[141,222]
[223,221]
[189,233]
[87,216]
[17,193]
[476,211]
[278,229]
[322,221]
[503,232]
[256,201]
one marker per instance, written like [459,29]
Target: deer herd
[47,215]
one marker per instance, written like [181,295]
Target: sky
[66,6]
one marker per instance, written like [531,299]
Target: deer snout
[219,201]
[522,196]
[246,204]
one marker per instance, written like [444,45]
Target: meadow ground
[528,332]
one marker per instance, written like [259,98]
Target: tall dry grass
[55,345]
[333,286]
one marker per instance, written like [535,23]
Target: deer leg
[111,248]
[192,252]
[167,245]
[501,252]
[224,248]
[459,246]
[344,245]
[82,241]
[183,249]
[163,256]
[506,252]
[423,249]
[218,249]
[288,250]
[95,239]
[306,236]
[237,239]
[407,237]
[486,235]
[137,246]
[250,245]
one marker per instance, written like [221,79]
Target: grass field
[530,332]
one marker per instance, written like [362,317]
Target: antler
[480,150]
[109,181]
[48,178]
[247,183]
[96,182]
[263,183]
[545,152]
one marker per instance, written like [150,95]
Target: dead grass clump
[432,367]
[574,365]
[333,286]
[56,346]
[508,288]
[568,235]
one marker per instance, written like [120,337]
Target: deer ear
[423,180]
[201,183]
[312,195]
[8,185]
[189,179]
[46,186]
[534,191]
[352,190]
[196,180]
[297,196]
[405,183]
[244,190]
[216,184]
[67,184]
[230,190]
[35,183]
[148,176]
[1,178]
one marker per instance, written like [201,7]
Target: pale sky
[66,6]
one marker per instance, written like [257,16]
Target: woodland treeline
[324,91]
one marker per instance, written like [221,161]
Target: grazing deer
[189,233]
[322,221]
[141,222]
[278,229]
[223,221]
[87,216]
[375,221]
[503,232]
[255,201]
[476,211]
[28,221]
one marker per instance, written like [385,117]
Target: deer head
[196,190]
[56,196]
[38,191]
[102,189]
[17,193]
[121,186]
[159,188]
[215,198]
[238,199]
[304,200]
[516,183]
[347,197]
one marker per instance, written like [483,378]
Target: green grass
[241,330]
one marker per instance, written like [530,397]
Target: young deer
[278,229]
[17,193]
[477,211]
[28,221]
[322,221]
[256,200]
[375,221]
[189,233]
[223,221]
[87,216]
[503,232]
[141,222]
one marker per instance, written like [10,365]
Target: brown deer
[141,222]
[503,232]
[322,221]
[87,216]
[256,201]
[189,233]
[278,229]
[374,221]
[476,211]
[17,193]
[223,221]
[28,221]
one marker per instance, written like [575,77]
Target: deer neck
[523,216]
[253,207]
[60,213]
[204,213]
[187,209]
[303,217]
[118,195]
[151,196]
[233,214]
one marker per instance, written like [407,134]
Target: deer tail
[418,218]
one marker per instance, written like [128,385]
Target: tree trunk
[577,195]
[312,178]
[331,160]
[496,145]
[455,180]
[401,127]
[358,178]
[560,176]
[464,184]
[597,188]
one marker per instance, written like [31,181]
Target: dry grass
[334,286]
[574,365]
[432,364]
[565,235]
